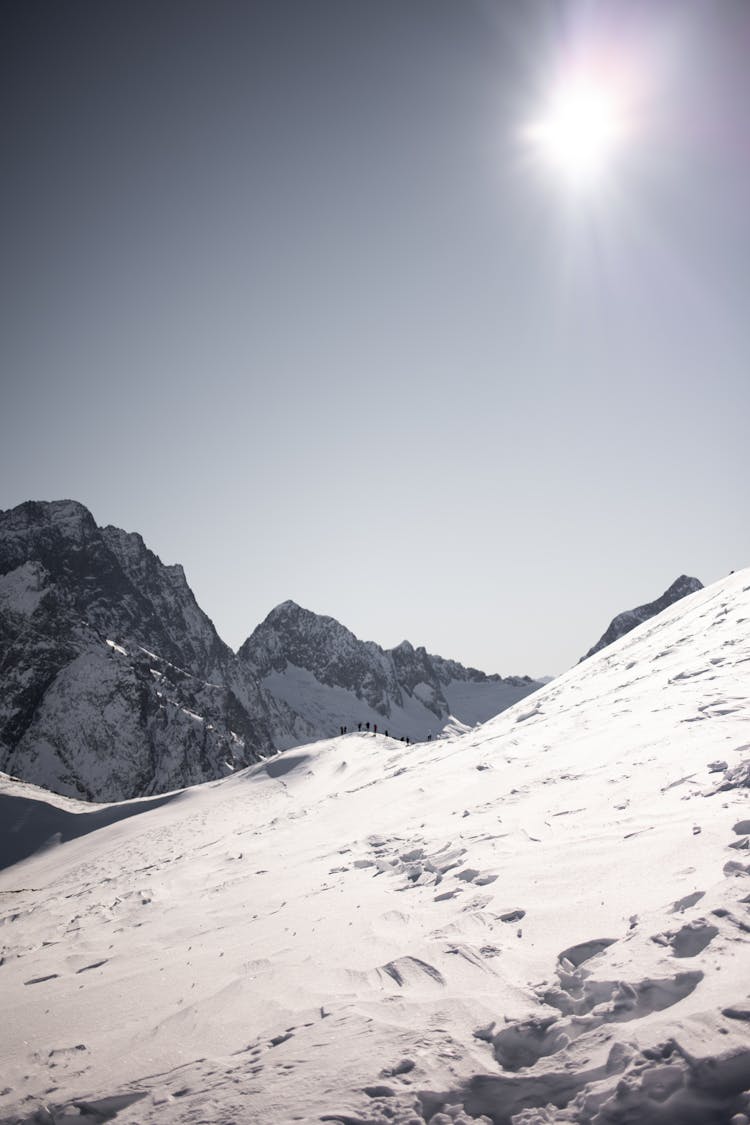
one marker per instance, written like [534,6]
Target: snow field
[544,919]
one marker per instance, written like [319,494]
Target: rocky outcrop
[628,620]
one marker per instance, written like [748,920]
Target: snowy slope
[548,911]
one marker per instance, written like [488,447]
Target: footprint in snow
[41,980]
[683,904]
[511,915]
[690,940]
[411,970]
[734,868]
[575,955]
[473,875]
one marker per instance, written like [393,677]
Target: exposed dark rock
[628,620]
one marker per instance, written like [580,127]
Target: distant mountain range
[116,684]
[323,672]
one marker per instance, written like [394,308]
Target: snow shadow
[28,825]
[285,763]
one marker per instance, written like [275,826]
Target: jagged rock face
[416,672]
[182,627]
[104,732]
[114,683]
[329,676]
[112,581]
[628,620]
[334,656]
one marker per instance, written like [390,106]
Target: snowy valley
[543,919]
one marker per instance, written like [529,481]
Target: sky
[286,288]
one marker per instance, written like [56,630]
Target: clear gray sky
[284,290]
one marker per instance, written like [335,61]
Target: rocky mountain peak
[43,526]
[289,616]
[115,683]
[321,669]
[681,587]
[62,513]
[286,608]
[317,643]
[630,618]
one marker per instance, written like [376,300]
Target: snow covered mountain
[628,620]
[543,920]
[115,684]
[332,679]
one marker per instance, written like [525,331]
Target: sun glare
[580,131]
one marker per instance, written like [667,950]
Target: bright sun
[580,131]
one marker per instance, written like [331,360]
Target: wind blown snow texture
[542,920]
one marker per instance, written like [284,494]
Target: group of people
[404,737]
